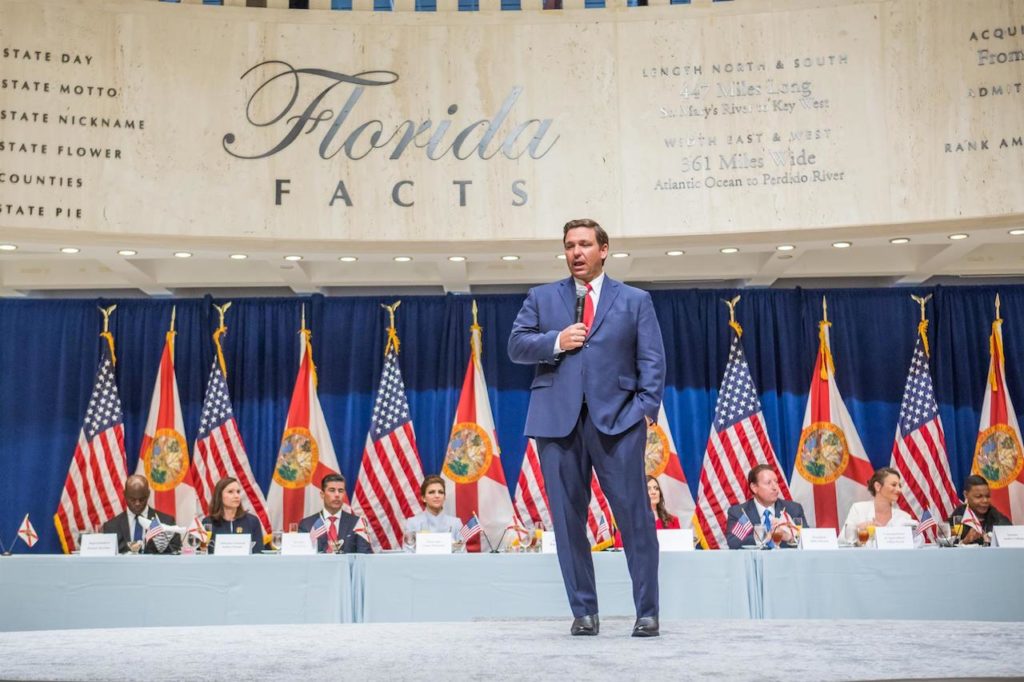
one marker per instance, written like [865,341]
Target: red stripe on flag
[826,512]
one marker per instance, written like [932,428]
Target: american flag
[738,442]
[742,528]
[919,449]
[318,530]
[471,529]
[94,488]
[531,501]
[156,533]
[219,451]
[387,490]
[603,529]
[927,522]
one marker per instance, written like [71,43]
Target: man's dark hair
[753,473]
[602,236]
[973,481]
[331,478]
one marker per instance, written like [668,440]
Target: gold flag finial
[475,323]
[392,332]
[302,321]
[997,309]
[174,314]
[107,312]
[105,334]
[731,304]
[827,364]
[922,326]
[221,330]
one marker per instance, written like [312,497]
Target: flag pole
[105,334]
[221,330]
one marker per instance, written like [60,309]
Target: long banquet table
[40,592]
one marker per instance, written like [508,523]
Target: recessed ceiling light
[238,256]
[348,259]
[560,256]
[293,258]
[127,252]
[784,247]
[1016,233]
[842,245]
[182,254]
[675,252]
[785,256]
[899,240]
[70,249]
[8,247]
[729,249]
[510,258]
[402,259]
[457,259]
[620,254]
[958,236]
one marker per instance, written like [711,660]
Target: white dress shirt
[862,512]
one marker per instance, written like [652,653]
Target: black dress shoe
[647,626]
[586,625]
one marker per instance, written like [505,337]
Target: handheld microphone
[581,298]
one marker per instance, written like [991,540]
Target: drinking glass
[293,528]
[458,546]
[275,540]
[760,536]
[798,527]
[409,540]
[942,537]
[956,532]
[863,535]
[207,539]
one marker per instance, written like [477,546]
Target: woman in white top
[432,518]
[885,487]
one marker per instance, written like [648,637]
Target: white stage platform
[532,650]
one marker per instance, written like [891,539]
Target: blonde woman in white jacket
[885,486]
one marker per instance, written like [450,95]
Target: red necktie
[332,530]
[588,308]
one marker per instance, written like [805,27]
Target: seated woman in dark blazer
[979,499]
[227,515]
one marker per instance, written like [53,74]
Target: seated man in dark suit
[345,531]
[131,524]
[765,507]
[978,496]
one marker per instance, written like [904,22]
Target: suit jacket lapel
[568,292]
[609,292]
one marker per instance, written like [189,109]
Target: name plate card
[1008,536]
[232,544]
[675,540]
[818,538]
[433,543]
[296,544]
[99,544]
[547,542]
[899,537]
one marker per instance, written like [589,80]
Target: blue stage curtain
[49,350]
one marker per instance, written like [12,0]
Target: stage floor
[802,650]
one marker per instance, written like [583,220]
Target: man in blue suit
[600,372]
[343,528]
[765,507]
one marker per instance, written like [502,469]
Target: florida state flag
[662,462]
[831,469]
[164,458]
[306,454]
[997,453]
[474,479]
